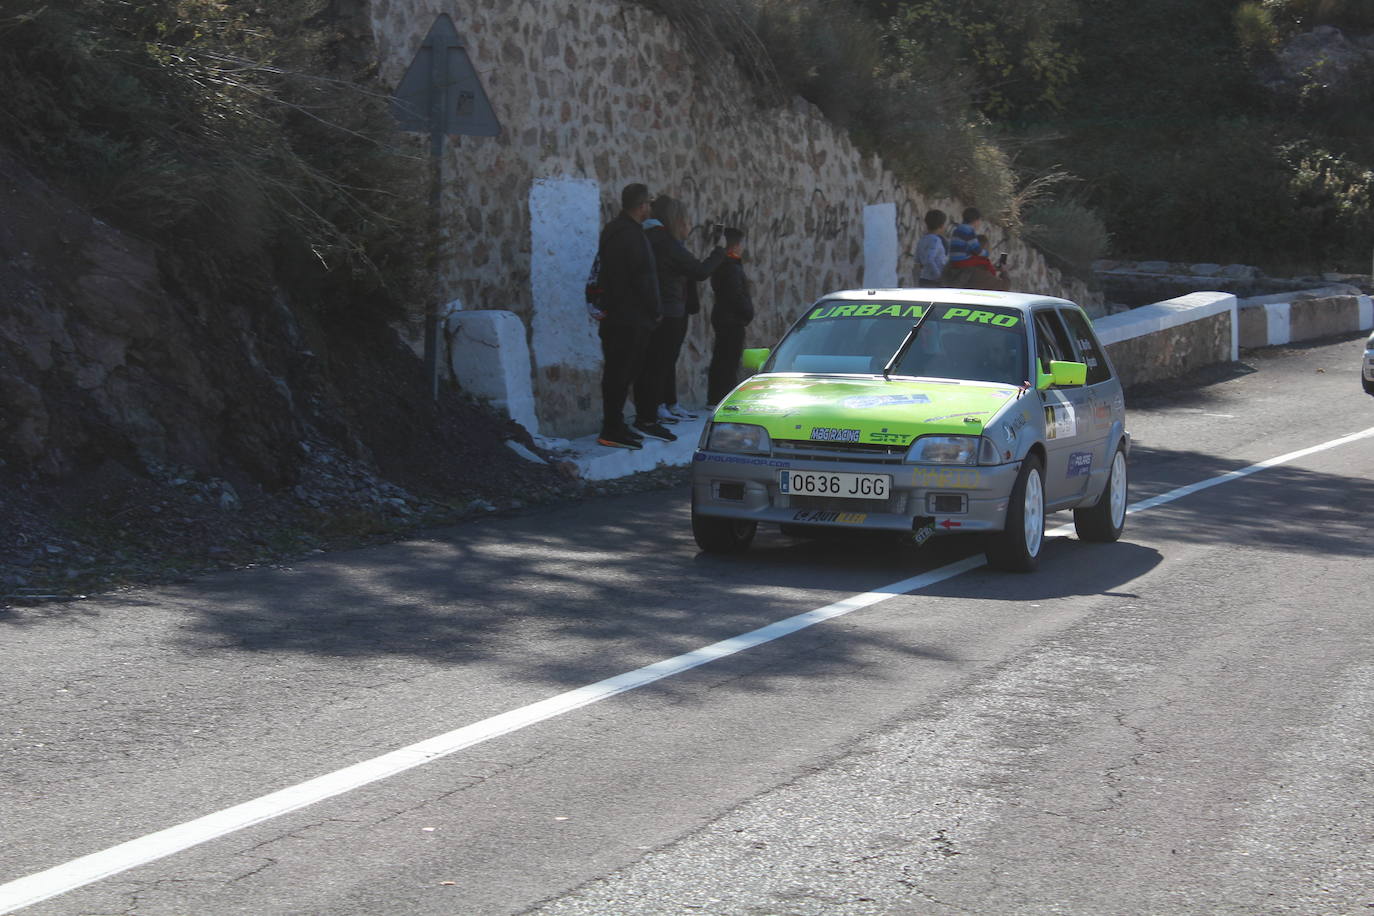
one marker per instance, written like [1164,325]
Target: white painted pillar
[565,222]
[1278,321]
[880,246]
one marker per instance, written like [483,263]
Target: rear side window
[1051,340]
[1089,351]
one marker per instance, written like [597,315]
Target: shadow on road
[625,572]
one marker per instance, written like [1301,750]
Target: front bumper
[746,487]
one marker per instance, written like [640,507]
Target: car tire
[1368,385]
[1017,547]
[1104,521]
[722,535]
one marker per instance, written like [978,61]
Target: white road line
[60,879]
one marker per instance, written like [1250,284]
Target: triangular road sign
[440,92]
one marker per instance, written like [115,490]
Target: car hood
[866,410]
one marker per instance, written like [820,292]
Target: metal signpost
[441,95]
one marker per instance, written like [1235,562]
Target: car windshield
[838,337]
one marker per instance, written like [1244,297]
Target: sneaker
[620,439]
[655,431]
[665,415]
[678,411]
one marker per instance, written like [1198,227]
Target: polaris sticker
[1080,463]
[1060,421]
[831,434]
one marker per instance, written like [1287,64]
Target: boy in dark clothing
[629,302]
[733,311]
[678,274]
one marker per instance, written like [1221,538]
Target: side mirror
[1067,373]
[753,360]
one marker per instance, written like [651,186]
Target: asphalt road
[1182,722]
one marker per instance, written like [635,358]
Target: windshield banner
[997,317]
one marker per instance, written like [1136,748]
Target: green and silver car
[921,411]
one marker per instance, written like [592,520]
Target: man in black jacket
[732,313]
[629,300]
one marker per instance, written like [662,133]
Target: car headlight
[741,438]
[968,450]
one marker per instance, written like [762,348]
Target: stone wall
[1277,320]
[605,92]
[1174,352]
[1171,338]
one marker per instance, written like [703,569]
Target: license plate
[840,484]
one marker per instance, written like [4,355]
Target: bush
[1071,232]
[895,95]
[224,143]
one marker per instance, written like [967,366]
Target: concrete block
[1170,313]
[1278,324]
[1254,327]
[491,360]
[1310,319]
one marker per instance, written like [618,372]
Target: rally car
[1367,367]
[921,411]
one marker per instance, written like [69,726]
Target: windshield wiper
[907,341]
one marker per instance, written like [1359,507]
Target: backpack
[595,292]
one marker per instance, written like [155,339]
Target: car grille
[866,452]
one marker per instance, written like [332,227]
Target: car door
[1104,408]
[1068,449]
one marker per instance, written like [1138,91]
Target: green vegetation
[226,133]
[1188,139]
[251,142]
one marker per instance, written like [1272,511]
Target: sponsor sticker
[1080,463]
[946,478]
[981,316]
[831,434]
[1001,318]
[866,402]
[888,438]
[1060,421]
[966,417]
[867,310]
[923,531]
[741,459]
[841,518]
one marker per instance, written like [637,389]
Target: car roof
[1022,301]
